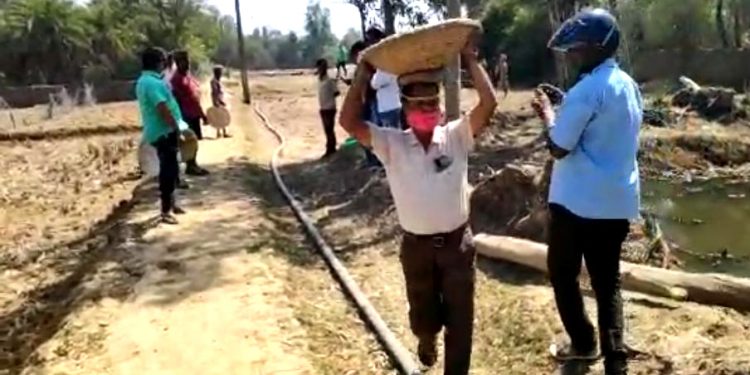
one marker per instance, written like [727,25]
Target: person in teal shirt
[342,58]
[160,115]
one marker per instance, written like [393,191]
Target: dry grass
[36,120]
[53,192]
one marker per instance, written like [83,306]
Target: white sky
[288,15]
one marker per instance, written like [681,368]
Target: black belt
[438,239]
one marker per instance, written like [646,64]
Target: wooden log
[710,289]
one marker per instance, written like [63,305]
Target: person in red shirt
[186,89]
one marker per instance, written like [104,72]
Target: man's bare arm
[480,115]
[354,101]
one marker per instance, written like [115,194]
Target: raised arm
[480,115]
[351,111]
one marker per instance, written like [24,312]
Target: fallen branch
[710,289]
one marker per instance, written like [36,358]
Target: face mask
[424,121]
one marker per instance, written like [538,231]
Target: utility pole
[241,46]
[453,73]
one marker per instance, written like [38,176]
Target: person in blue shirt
[594,189]
[161,118]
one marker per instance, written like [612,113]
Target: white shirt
[428,201]
[327,91]
[388,92]
[167,77]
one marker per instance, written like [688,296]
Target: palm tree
[48,38]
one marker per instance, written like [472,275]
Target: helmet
[590,27]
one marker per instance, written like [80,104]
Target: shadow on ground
[112,258]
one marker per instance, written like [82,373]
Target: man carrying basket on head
[426,166]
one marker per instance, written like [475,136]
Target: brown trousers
[439,272]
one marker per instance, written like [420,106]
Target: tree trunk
[453,77]
[241,46]
[738,30]
[710,289]
[721,27]
[362,19]
[389,18]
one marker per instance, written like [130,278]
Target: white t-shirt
[388,92]
[167,77]
[327,91]
[430,199]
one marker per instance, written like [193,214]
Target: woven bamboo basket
[218,117]
[424,48]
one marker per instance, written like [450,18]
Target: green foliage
[320,41]
[43,39]
[60,41]
[519,28]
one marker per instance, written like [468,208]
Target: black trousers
[339,66]
[195,126]
[599,243]
[166,148]
[328,116]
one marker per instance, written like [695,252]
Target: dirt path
[211,300]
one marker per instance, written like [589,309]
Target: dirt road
[232,289]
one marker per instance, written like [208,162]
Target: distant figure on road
[186,90]
[160,115]
[503,81]
[427,168]
[217,96]
[342,58]
[595,188]
[327,94]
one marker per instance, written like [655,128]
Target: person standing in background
[503,82]
[168,71]
[160,115]
[186,90]
[341,59]
[327,93]
[388,99]
[217,96]
[369,104]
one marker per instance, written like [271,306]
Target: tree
[720,25]
[389,17]
[49,40]
[364,7]
[241,48]
[351,37]
[319,36]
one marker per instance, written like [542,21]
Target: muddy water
[705,219]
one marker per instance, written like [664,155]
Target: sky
[289,15]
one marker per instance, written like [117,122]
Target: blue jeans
[390,119]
